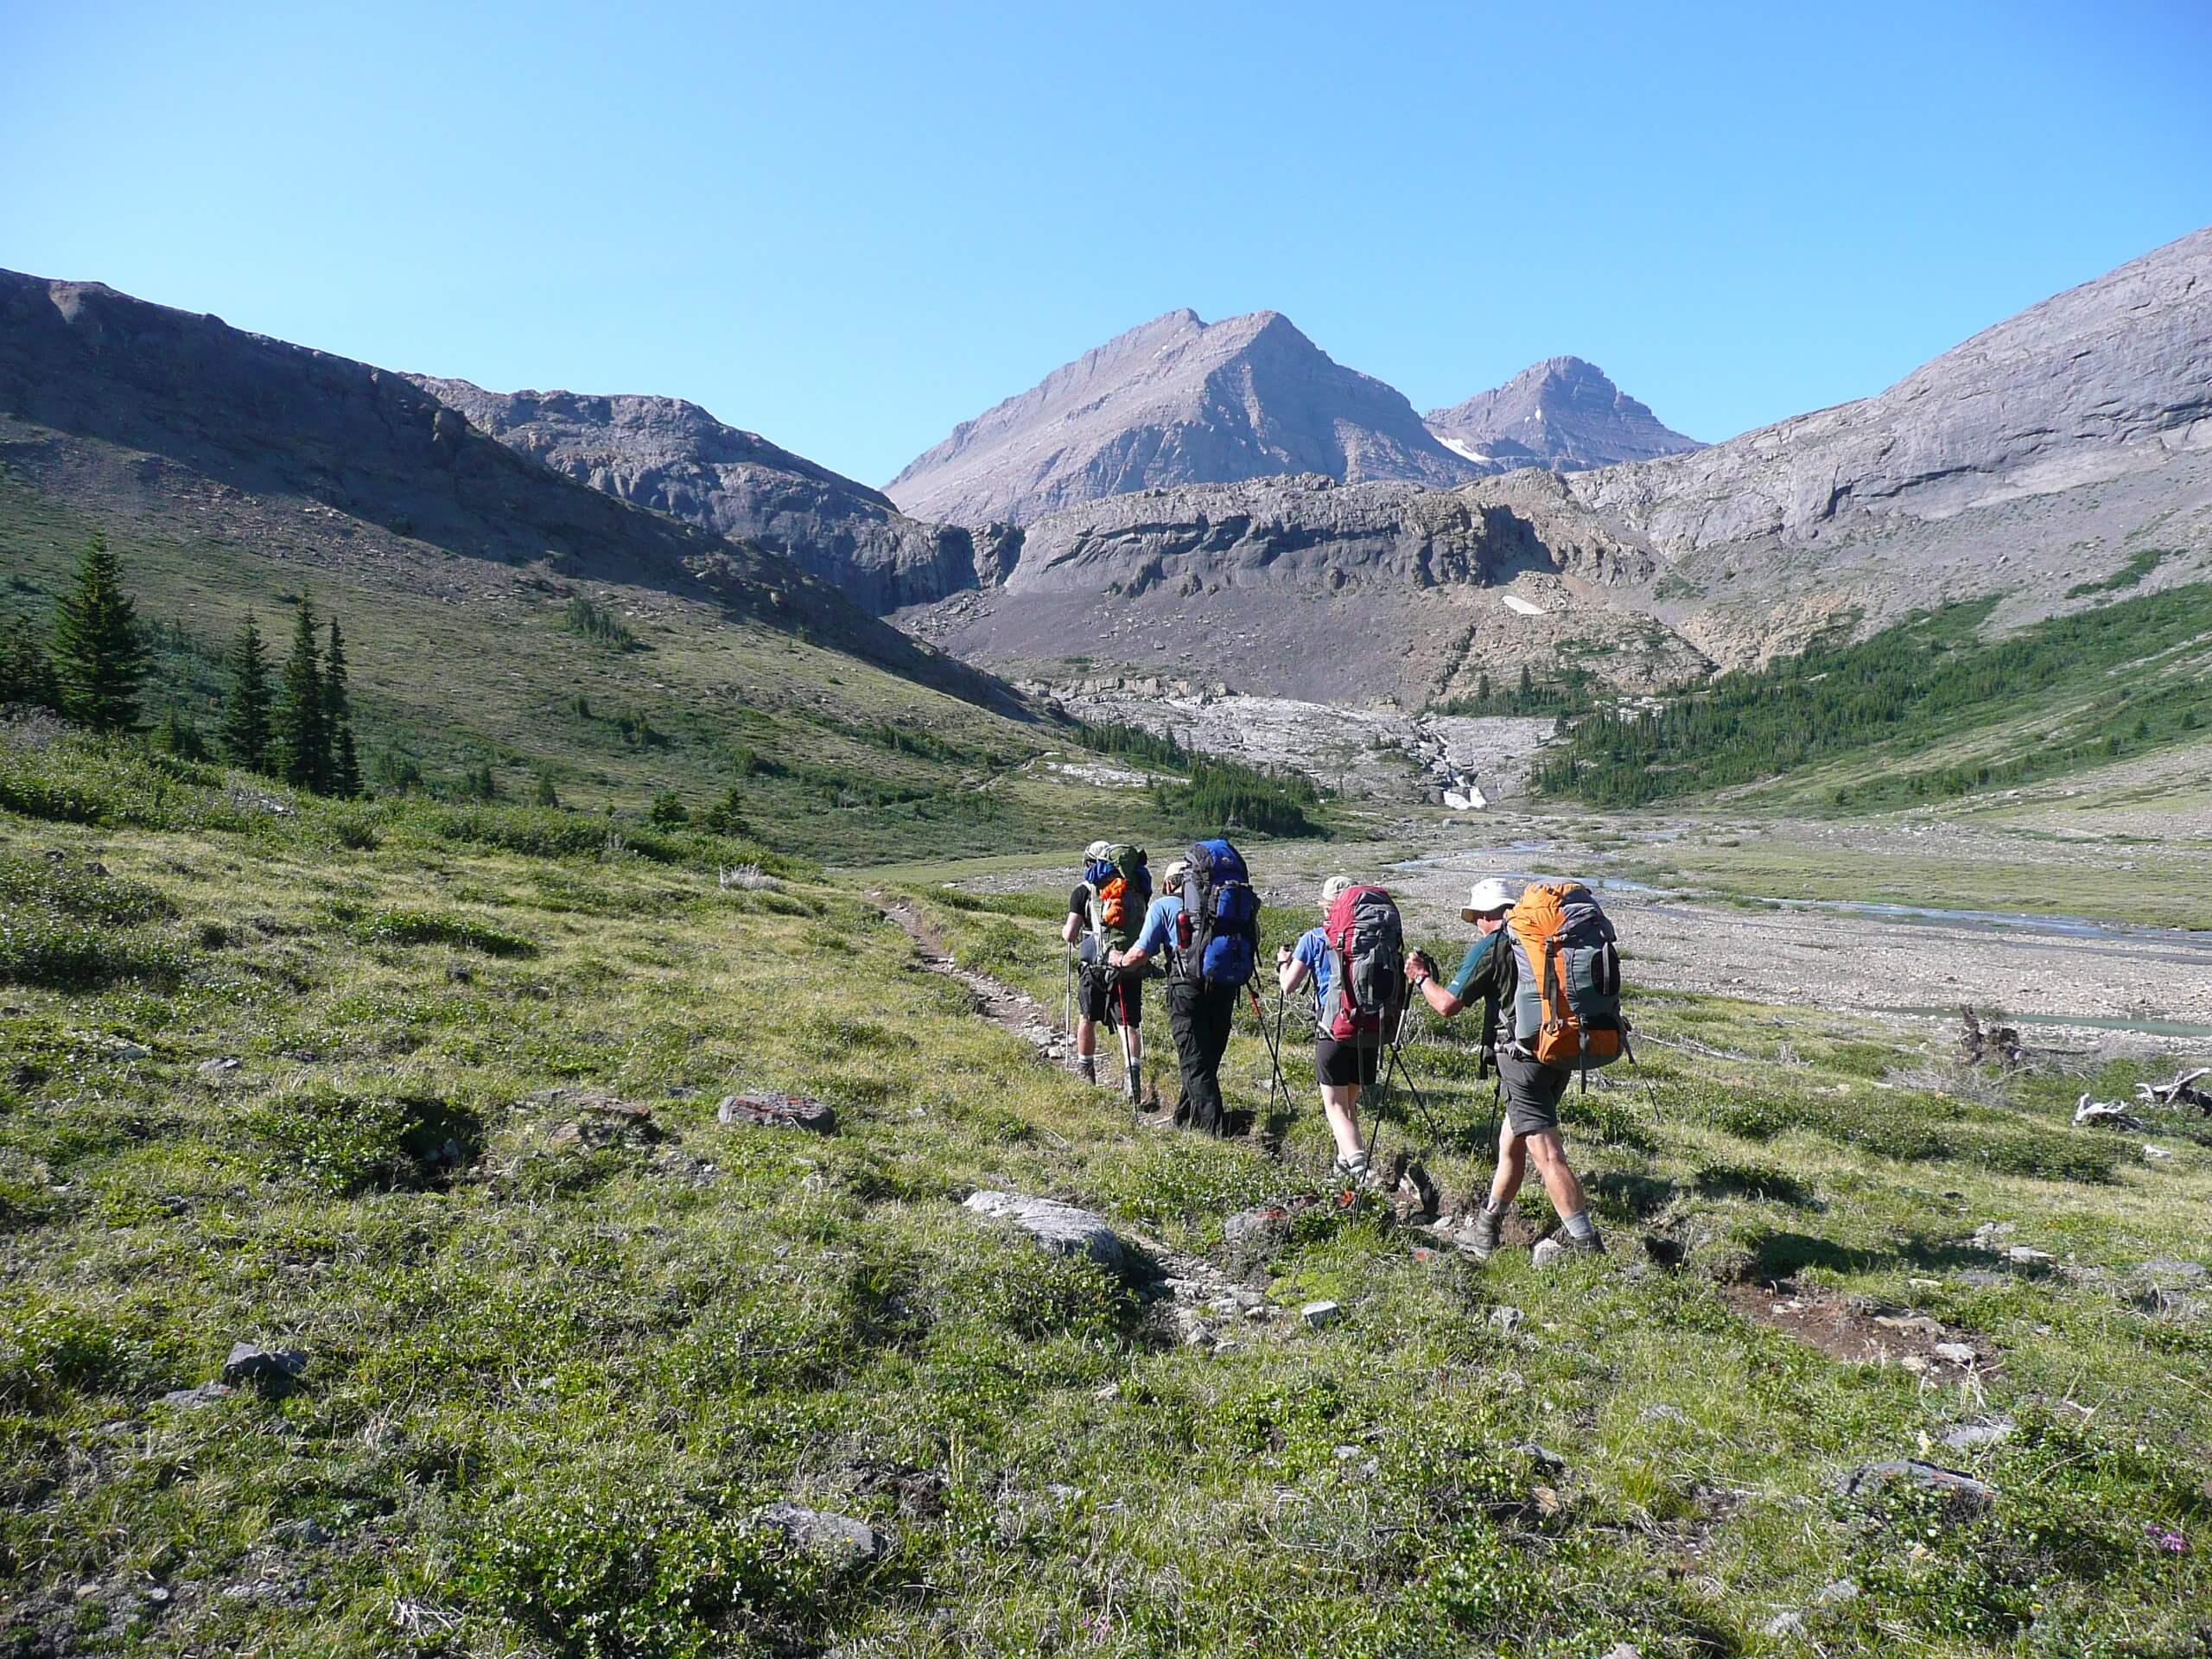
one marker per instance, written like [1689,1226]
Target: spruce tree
[100,658]
[245,711]
[345,774]
[301,735]
[25,671]
[346,766]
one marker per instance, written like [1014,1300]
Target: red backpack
[1367,946]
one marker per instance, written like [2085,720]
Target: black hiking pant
[1200,1017]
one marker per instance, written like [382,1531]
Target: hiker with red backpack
[1549,958]
[1355,961]
[1106,912]
[1206,924]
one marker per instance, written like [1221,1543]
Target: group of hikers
[1543,969]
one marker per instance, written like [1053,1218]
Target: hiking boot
[1086,1069]
[1479,1238]
[1593,1245]
[1347,1172]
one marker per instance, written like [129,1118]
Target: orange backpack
[1566,1006]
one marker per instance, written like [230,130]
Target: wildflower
[2164,1538]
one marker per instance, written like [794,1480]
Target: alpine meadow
[1230,1018]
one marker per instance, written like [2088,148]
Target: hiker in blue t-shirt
[1198,1016]
[1344,1068]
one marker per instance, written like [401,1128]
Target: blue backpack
[1218,939]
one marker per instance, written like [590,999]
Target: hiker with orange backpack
[1355,961]
[1105,913]
[1548,958]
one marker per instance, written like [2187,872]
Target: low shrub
[345,1144]
[431,927]
[641,1574]
[42,947]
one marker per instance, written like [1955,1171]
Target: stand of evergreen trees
[1900,691]
[1571,693]
[91,669]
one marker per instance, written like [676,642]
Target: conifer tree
[346,765]
[301,735]
[99,657]
[25,671]
[345,769]
[181,737]
[245,711]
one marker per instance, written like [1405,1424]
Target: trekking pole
[1129,1066]
[1405,1072]
[1067,1005]
[1274,1044]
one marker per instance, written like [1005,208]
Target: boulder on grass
[768,1109]
[1063,1228]
[838,1540]
[1963,1494]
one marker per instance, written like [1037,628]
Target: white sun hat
[1171,878]
[1097,849]
[1490,896]
[1333,889]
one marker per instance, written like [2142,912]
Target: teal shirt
[1486,971]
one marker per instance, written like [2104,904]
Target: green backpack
[1120,888]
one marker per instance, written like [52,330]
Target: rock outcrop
[1174,402]
[676,458]
[1562,413]
[2111,377]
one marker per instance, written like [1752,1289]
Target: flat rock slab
[769,1109]
[192,1399]
[1967,1436]
[1060,1228]
[837,1539]
[1963,1492]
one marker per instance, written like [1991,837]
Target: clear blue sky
[849,227]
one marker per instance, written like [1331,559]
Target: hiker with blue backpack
[1549,957]
[1106,912]
[1206,924]
[1355,961]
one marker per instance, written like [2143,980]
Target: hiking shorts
[1104,992]
[1533,1092]
[1337,1064]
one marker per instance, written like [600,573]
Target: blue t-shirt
[1320,961]
[1160,919]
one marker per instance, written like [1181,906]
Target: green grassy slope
[550,1385]
[833,757]
[1926,710]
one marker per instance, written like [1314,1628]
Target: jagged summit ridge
[1563,413]
[1176,401]
[673,456]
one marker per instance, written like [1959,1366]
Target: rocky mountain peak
[1563,413]
[1175,401]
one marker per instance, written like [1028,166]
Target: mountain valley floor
[379,1086]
